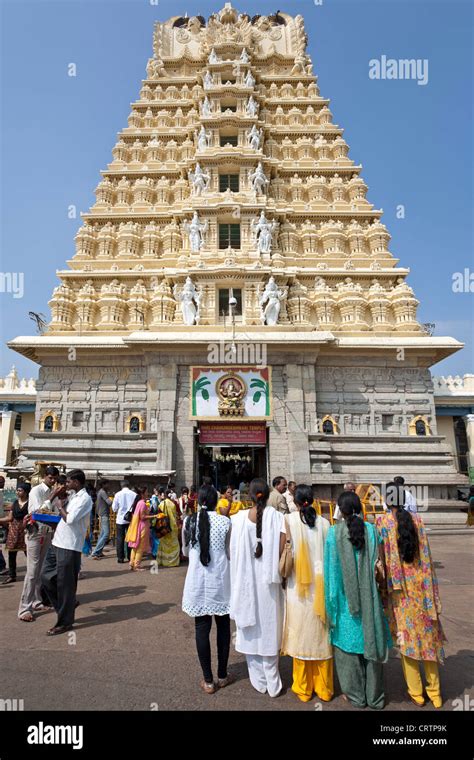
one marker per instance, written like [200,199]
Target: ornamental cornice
[289,212]
[332,274]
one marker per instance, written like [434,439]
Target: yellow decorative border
[141,422]
[334,423]
[42,420]
[412,426]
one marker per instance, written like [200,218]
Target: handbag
[286,559]
[129,515]
[161,525]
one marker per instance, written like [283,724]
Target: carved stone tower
[231,181]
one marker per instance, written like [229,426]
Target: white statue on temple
[300,64]
[251,107]
[249,80]
[263,231]
[204,139]
[113,288]
[208,80]
[254,137]
[270,303]
[213,57]
[206,108]
[244,56]
[199,179]
[190,299]
[196,231]
[259,180]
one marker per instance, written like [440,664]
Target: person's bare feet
[27,617]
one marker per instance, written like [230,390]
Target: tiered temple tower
[232,181]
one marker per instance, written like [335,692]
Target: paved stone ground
[134,647]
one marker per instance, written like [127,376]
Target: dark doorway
[230,465]
[462,446]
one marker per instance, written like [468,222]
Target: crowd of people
[335,598]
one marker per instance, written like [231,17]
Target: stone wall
[370,400]
[362,400]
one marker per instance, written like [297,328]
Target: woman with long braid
[207,586]
[412,597]
[359,630]
[257,542]
[305,633]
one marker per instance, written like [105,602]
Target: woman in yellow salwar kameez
[168,550]
[305,632]
[226,505]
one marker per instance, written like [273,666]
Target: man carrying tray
[62,565]
[38,540]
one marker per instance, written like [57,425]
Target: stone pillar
[6,436]
[469,421]
[289,435]
[166,381]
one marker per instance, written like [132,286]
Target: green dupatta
[361,591]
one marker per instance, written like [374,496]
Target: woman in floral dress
[16,530]
[411,597]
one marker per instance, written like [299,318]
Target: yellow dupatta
[132,532]
[305,576]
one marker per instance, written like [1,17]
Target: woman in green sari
[168,549]
[359,631]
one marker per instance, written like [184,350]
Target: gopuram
[232,307]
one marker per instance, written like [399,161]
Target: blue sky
[414,142]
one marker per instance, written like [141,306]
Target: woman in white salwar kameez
[257,599]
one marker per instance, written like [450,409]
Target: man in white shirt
[62,565]
[410,500]
[337,516]
[290,496]
[38,541]
[122,503]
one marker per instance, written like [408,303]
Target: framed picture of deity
[224,393]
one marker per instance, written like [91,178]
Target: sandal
[223,682]
[209,688]
[27,617]
[8,580]
[57,629]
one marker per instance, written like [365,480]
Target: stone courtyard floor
[133,647]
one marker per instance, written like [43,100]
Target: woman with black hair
[138,533]
[257,542]
[358,628]
[412,596]
[168,552]
[16,529]
[305,633]
[207,587]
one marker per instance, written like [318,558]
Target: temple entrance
[222,455]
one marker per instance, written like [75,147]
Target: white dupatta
[242,550]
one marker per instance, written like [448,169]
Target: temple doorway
[229,463]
